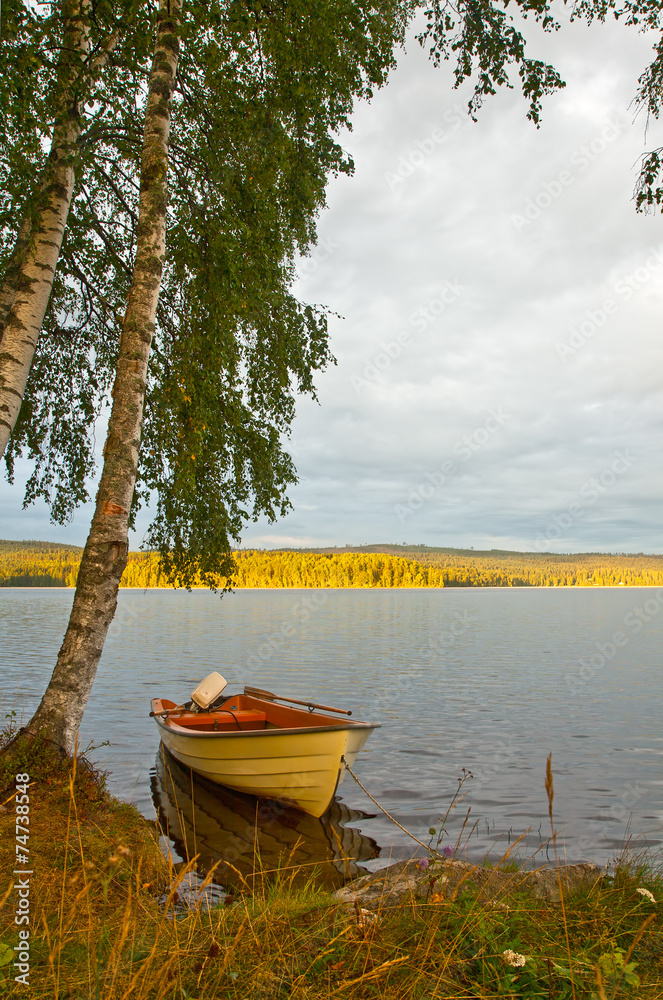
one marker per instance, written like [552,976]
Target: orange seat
[224,721]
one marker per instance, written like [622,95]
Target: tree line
[49,565]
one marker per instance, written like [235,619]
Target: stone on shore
[405,881]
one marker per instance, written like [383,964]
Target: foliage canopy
[263,90]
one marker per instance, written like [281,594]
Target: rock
[194,891]
[545,881]
[405,881]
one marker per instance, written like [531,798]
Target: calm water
[487,680]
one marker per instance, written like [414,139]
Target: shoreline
[487,930]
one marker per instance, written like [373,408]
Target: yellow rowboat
[230,832]
[252,744]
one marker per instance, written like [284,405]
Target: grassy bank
[106,922]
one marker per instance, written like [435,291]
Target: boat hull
[228,831]
[301,767]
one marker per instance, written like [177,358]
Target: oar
[169,711]
[259,693]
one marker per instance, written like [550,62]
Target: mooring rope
[382,809]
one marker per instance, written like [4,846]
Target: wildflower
[124,851]
[423,864]
[647,894]
[448,851]
[513,958]
[366,919]
[496,905]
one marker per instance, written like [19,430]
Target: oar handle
[168,711]
[260,693]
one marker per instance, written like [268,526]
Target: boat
[252,743]
[241,837]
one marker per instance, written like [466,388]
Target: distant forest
[45,564]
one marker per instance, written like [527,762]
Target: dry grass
[107,924]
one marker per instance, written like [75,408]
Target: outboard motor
[208,691]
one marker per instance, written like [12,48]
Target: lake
[487,680]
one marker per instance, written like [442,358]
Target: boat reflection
[241,834]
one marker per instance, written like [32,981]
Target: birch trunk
[104,558]
[12,274]
[28,280]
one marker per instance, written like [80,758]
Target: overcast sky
[499,357]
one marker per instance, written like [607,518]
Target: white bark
[104,558]
[19,340]
[25,294]
[13,272]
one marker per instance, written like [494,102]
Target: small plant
[612,970]
[9,729]
[6,957]
[438,832]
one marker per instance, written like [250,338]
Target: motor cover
[209,690]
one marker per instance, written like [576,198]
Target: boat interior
[241,713]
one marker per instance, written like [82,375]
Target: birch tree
[306,113]
[28,278]
[73,369]
[105,553]
[253,144]
[74,365]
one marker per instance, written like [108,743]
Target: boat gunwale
[172,727]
